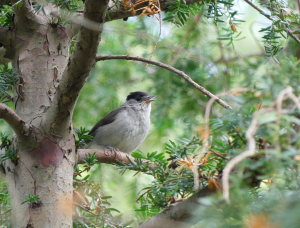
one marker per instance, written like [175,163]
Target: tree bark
[6,44]
[49,87]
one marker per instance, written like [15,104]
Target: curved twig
[167,67]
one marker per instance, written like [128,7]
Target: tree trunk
[46,163]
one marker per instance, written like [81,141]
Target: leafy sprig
[8,80]
[178,12]
[82,136]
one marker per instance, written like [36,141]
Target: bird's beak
[149,99]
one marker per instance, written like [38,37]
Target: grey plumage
[125,127]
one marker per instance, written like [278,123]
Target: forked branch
[78,69]
[18,125]
[25,13]
[167,67]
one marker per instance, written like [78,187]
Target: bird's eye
[138,99]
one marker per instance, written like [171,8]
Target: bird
[125,127]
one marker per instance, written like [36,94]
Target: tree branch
[107,156]
[179,215]
[116,13]
[80,64]
[18,125]
[24,14]
[167,67]
[272,19]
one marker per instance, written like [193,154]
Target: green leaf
[112,209]
[267,118]
[138,154]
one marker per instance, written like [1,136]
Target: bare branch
[167,67]
[18,125]
[107,156]
[272,19]
[179,215]
[80,64]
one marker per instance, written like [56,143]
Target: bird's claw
[113,150]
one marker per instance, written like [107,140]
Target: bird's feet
[113,150]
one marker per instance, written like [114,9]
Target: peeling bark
[78,68]
[46,160]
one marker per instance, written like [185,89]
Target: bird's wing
[109,118]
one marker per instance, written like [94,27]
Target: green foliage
[178,12]
[10,153]
[273,41]
[88,163]
[8,80]
[69,5]
[95,208]
[6,16]
[5,141]
[5,206]
[82,136]
[33,200]
[283,20]
[170,181]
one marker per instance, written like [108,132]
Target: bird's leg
[113,150]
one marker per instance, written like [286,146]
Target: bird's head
[139,98]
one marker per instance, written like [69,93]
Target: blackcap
[125,127]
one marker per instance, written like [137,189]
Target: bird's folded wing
[109,118]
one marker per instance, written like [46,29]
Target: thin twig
[86,204]
[206,134]
[78,205]
[220,155]
[272,19]
[167,67]
[159,14]
[86,169]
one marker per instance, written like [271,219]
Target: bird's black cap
[136,95]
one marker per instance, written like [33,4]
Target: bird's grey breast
[127,131]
